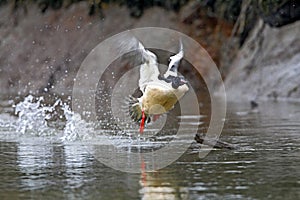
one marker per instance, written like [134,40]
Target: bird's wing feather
[149,69]
[135,110]
[174,62]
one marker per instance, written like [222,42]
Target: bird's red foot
[142,125]
[155,117]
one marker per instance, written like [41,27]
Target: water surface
[266,166]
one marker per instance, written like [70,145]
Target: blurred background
[254,43]
[256,47]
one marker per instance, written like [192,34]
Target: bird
[159,92]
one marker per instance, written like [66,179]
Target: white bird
[160,93]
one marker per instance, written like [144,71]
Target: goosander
[159,92]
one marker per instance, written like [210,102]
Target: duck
[160,93]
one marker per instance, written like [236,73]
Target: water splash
[33,116]
[75,128]
[62,124]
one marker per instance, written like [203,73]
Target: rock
[214,143]
[267,66]
[279,13]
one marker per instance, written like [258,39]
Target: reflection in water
[41,162]
[265,167]
[153,188]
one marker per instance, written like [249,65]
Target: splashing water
[76,128]
[33,119]
[33,116]
[37,119]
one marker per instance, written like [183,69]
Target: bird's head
[178,81]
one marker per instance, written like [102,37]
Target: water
[52,163]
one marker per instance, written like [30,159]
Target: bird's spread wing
[174,62]
[149,69]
